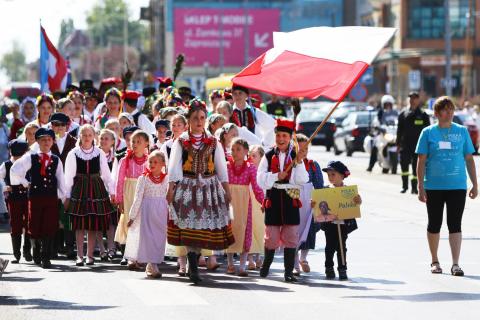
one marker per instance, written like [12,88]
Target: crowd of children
[172,178]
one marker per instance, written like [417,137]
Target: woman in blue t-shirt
[444,150]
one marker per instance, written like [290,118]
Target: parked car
[468,121]
[355,127]
[343,109]
[309,119]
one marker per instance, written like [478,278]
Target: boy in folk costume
[255,120]
[130,99]
[17,202]
[281,210]
[47,185]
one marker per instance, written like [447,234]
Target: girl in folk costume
[126,120]
[112,99]
[215,122]
[225,135]
[162,127]
[29,133]
[130,168]
[46,186]
[79,101]
[28,113]
[66,106]
[307,228]
[179,126]
[241,175]
[107,144]
[17,202]
[89,183]
[148,216]
[258,224]
[45,107]
[281,203]
[64,143]
[114,125]
[199,209]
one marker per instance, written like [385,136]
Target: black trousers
[455,201]
[332,245]
[408,158]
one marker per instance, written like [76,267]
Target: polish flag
[53,67]
[313,62]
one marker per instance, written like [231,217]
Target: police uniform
[281,203]
[410,125]
[46,187]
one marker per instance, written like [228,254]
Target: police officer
[411,122]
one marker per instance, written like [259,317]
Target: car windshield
[311,114]
[365,118]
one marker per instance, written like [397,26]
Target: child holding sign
[337,172]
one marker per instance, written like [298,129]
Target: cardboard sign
[336,201]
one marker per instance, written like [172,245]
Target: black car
[355,127]
[309,119]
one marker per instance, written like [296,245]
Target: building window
[426,18]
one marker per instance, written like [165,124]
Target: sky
[20,19]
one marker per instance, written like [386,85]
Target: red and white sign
[200,33]
[313,62]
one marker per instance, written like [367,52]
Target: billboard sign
[200,33]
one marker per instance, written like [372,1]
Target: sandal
[231,270]
[182,271]
[242,273]
[435,267]
[259,263]
[456,271]
[305,266]
[212,267]
[251,265]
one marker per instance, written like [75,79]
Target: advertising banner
[201,33]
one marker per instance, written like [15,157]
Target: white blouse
[147,189]
[175,165]
[267,179]
[71,168]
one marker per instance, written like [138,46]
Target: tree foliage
[66,28]
[105,24]
[14,63]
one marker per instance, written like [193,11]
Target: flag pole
[340,244]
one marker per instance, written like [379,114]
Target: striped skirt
[199,215]
[90,206]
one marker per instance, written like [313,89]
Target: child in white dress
[148,217]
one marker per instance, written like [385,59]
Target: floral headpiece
[45,97]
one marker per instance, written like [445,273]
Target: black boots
[267,262]
[36,245]
[16,244]
[414,183]
[46,253]
[27,248]
[289,263]
[192,258]
[404,183]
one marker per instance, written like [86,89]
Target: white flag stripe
[342,44]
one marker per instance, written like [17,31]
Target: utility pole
[448,50]
[468,63]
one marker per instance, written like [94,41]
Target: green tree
[105,24]
[14,63]
[66,28]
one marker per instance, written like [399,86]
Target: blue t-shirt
[445,149]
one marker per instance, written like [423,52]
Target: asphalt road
[388,263]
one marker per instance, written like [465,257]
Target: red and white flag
[313,62]
[53,67]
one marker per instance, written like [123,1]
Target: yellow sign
[336,201]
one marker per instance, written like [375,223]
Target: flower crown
[112,92]
[45,97]
[75,94]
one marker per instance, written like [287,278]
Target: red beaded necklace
[157,180]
